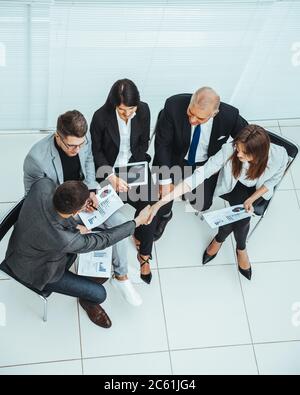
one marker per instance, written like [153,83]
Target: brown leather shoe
[98,280]
[96,314]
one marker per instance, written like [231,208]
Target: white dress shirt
[202,148]
[125,133]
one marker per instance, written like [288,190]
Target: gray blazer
[43,160]
[41,240]
[276,166]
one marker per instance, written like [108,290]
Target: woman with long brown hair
[249,169]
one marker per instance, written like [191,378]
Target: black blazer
[173,130]
[106,136]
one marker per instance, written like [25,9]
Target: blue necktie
[194,145]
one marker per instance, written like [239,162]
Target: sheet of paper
[96,263]
[109,203]
[225,216]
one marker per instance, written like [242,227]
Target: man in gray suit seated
[46,239]
[67,155]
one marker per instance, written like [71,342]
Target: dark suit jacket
[39,247]
[106,137]
[173,130]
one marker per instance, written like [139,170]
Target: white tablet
[133,173]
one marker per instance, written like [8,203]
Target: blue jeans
[78,286]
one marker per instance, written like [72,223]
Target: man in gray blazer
[46,236]
[67,155]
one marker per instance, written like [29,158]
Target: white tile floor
[194,319]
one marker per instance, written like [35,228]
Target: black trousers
[240,229]
[139,197]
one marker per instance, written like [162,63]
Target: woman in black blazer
[120,132]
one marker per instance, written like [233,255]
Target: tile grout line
[291,172]
[79,325]
[245,306]
[40,363]
[164,312]
[198,265]
[213,347]
[228,264]
[279,127]
[80,340]
[248,322]
[158,352]
[126,355]
[298,199]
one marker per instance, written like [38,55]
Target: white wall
[62,55]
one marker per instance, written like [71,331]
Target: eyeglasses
[71,147]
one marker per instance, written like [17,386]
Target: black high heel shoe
[145,277]
[244,272]
[206,257]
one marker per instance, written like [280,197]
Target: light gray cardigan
[43,160]
[276,166]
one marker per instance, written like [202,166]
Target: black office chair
[154,130]
[261,206]
[5,225]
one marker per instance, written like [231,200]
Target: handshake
[146,216]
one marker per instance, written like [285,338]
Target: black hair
[123,92]
[70,197]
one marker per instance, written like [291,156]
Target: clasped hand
[146,216]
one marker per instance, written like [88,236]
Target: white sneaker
[128,292]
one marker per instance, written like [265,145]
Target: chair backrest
[154,130]
[292,151]
[10,219]
[7,222]
[291,148]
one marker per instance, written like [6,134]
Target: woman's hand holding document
[226,215]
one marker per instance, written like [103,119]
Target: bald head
[204,105]
[206,98]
